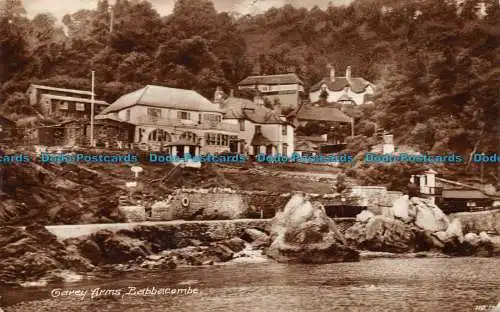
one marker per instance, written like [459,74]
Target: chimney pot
[348,72]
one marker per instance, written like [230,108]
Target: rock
[261,243]
[401,209]
[91,250]
[236,244]
[253,234]
[483,237]
[441,235]
[302,232]
[382,234]
[364,216]
[455,229]
[429,217]
[120,249]
[472,238]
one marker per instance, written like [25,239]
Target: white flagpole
[92,112]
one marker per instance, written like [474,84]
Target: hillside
[434,61]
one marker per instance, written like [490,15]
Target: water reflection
[458,284]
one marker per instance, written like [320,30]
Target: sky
[61,7]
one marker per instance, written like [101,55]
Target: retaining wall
[476,222]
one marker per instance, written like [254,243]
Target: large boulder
[382,233]
[403,210]
[429,217]
[302,232]
[364,216]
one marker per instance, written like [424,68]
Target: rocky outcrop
[382,233]
[33,253]
[302,232]
[414,225]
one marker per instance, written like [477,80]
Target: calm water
[459,284]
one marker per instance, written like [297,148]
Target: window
[258,129]
[225,140]
[269,149]
[211,138]
[219,139]
[127,115]
[80,107]
[242,124]
[154,112]
[285,149]
[284,129]
[63,105]
[183,115]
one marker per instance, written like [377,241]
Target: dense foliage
[435,62]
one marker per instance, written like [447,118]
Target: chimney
[348,72]
[332,72]
[258,100]
[218,96]
[231,93]
[324,137]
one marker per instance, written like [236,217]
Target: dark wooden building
[7,130]
[463,200]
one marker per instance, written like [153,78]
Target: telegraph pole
[111,18]
[92,112]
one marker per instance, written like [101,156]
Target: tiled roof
[271,80]
[233,107]
[260,139]
[60,89]
[74,99]
[263,115]
[319,113]
[357,84]
[164,97]
[464,194]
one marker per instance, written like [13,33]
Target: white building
[260,129]
[176,121]
[345,90]
[285,88]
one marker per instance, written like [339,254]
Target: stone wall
[376,198]
[476,222]
[225,203]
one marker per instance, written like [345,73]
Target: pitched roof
[464,194]
[357,84]
[260,139]
[310,138]
[233,107]
[271,79]
[306,146]
[262,115]
[164,97]
[74,99]
[319,113]
[89,93]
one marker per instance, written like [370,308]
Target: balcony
[190,124]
